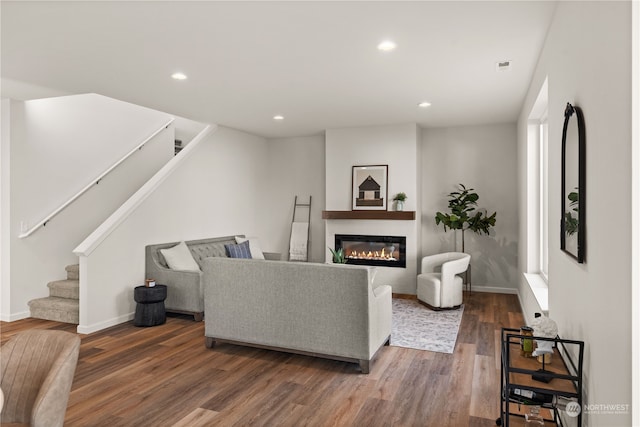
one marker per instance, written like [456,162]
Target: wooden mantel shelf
[402,215]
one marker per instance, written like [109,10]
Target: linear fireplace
[384,251]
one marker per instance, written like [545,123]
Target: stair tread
[73,271]
[69,289]
[57,309]
[63,303]
[65,283]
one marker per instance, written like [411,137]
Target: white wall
[22,91]
[5,191]
[296,166]
[212,193]
[587,58]
[68,141]
[57,146]
[635,250]
[482,158]
[398,147]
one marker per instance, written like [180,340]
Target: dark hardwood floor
[164,376]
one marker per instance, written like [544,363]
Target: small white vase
[399,205]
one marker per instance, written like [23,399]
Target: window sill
[540,290]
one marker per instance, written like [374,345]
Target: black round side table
[150,307]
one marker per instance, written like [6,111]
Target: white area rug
[416,326]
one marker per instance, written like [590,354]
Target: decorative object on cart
[546,328]
[562,393]
[463,215]
[400,199]
[338,256]
[533,417]
[574,179]
[526,344]
[369,187]
[543,327]
[542,374]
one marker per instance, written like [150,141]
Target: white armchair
[438,284]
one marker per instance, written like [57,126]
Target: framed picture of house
[369,188]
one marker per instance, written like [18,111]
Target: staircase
[62,304]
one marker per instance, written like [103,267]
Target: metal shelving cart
[557,385]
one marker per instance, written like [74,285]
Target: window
[543,197]
[537,199]
[538,187]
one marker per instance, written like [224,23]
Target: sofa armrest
[380,291]
[184,287]
[380,317]
[272,256]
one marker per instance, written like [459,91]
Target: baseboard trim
[15,316]
[82,329]
[494,289]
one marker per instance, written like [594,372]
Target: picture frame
[369,187]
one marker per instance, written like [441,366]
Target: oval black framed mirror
[572,225]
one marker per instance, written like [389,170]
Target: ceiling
[315,63]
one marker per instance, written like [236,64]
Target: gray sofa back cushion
[200,249]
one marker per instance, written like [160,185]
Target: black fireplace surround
[381,251]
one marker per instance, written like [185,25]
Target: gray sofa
[185,288]
[326,310]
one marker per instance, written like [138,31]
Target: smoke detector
[503,65]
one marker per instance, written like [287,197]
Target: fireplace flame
[372,250]
[382,255]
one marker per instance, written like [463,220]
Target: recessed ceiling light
[178,76]
[386,46]
[424,104]
[278,117]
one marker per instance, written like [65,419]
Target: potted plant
[463,215]
[399,199]
[338,256]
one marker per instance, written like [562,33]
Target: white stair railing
[98,235]
[93,182]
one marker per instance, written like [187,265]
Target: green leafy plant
[571,222]
[463,215]
[338,256]
[400,197]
